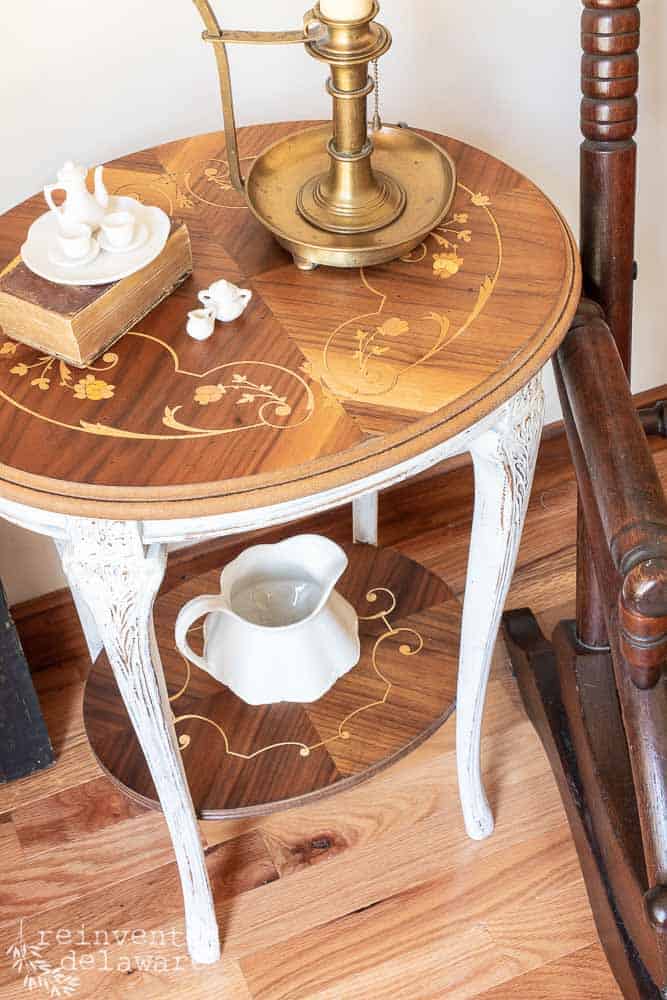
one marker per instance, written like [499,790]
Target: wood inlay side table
[332,386]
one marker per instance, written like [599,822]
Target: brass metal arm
[312,30]
[299,37]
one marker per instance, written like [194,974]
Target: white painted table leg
[90,630]
[118,579]
[365,518]
[504,460]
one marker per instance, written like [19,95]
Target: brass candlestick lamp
[333,194]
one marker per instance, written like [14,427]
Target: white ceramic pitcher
[277,631]
[80,206]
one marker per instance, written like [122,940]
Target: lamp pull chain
[376,123]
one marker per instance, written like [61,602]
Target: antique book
[78,323]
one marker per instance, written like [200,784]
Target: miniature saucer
[106,267]
[138,241]
[57,257]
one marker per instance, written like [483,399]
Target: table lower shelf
[242,760]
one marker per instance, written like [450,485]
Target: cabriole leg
[504,460]
[115,575]
[86,618]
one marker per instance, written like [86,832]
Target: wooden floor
[375,893]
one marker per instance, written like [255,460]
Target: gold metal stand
[333,195]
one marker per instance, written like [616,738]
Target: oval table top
[329,376]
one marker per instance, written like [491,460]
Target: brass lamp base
[286,191]
[379,206]
[333,195]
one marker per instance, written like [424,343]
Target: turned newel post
[609,81]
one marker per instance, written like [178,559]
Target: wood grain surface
[243,760]
[327,377]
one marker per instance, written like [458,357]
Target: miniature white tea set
[92,238]
[223,302]
[278,630]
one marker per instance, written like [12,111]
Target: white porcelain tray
[106,267]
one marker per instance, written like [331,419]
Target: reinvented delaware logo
[37,972]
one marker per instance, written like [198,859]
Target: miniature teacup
[118,229]
[75,239]
[201,323]
[229,301]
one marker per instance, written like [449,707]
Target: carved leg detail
[365,518]
[118,579]
[504,460]
[86,618]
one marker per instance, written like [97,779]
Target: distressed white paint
[115,570]
[504,459]
[118,578]
[365,518]
[86,617]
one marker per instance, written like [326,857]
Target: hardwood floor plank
[385,945]
[467,962]
[71,815]
[377,872]
[302,840]
[136,919]
[64,873]
[582,975]
[10,846]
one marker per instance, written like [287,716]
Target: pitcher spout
[303,571]
[101,193]
[321,559]
[285,633]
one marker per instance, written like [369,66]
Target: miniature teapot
[228,300]
[79,206]
[277,631]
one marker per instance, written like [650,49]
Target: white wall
[93,81]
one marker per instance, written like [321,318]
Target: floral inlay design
[480,200]
[446,265]
[411,645]
[206,182]
[209,183]
[374,335]
[93,388]
[163,189]
[269,407]
[219,177]
[371,342]
[447,262]
[249,393]
[46,368]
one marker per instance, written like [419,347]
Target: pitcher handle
[187,616]
[48,195]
